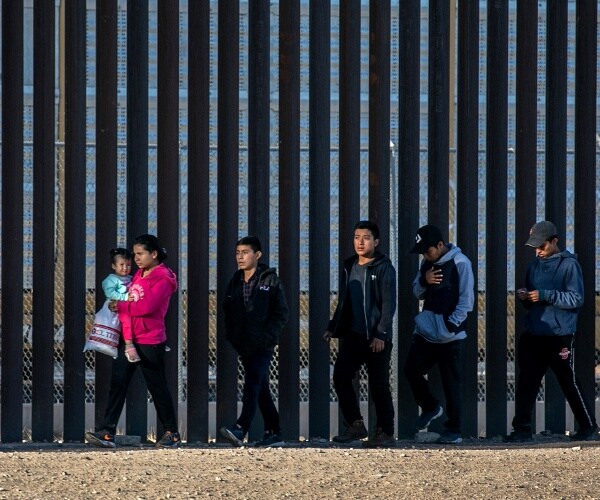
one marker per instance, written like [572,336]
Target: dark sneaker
[518,437]
[270,439]
[426,417]
[381,440]
[585,434]
[102,439]
[233,434]
[353,432]
[169,440]
[450,438]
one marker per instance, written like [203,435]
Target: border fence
[289,120]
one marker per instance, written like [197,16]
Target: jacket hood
[162,272]
[565,254]
[262,270]
[452,252]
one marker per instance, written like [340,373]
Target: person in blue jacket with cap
[552,295]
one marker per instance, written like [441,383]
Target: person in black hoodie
[363,321]
[255,313]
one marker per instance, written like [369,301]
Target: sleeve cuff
[381,336]
[451,326]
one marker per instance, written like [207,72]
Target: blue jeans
[257,392]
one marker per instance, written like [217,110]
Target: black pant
[355,350]
[449,359]
[152,365]
[535,354]
[257,392]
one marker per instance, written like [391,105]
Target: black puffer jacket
[258,325]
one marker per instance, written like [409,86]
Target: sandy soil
[549,469]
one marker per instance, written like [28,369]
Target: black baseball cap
[427,236]
[541,232]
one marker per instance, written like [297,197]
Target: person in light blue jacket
[552,295]
[445,283]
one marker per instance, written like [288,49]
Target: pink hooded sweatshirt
[149,307]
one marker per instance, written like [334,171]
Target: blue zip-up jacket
[379,299]
[446,305]
[559,281]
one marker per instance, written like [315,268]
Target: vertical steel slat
[259,131]
[349,125]
[137,174]
[496,218]
[106,172]
[228,199]
[438,114]
[467,166]
[75,219]
[168,203]
[438,174]
[556,172]
[526,151]
[198,212]
[289,206]
[408,204]
[586,203]
[379,118]
[319,219]
[44,168]
[259,135]
[11,402]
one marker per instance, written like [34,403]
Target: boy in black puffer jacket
[255,313]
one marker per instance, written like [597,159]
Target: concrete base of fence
[124,440]
[426,437]
[304,428]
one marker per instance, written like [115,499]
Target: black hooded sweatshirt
[379,299]
[255,326]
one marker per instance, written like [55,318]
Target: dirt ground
[554,468]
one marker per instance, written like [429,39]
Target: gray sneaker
[169,440]
[426,417]
[102,439]
[234,434]
[450,438]
[353,432]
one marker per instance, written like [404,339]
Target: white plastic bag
[105,333]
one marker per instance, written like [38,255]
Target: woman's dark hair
[123,252]
[150,243]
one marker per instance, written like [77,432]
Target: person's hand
[522,293]
[533,296]
[130,297]
[377,345]
[112,305]
[327,336]
[434,276]
[131,353]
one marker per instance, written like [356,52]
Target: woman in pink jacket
[144,345]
